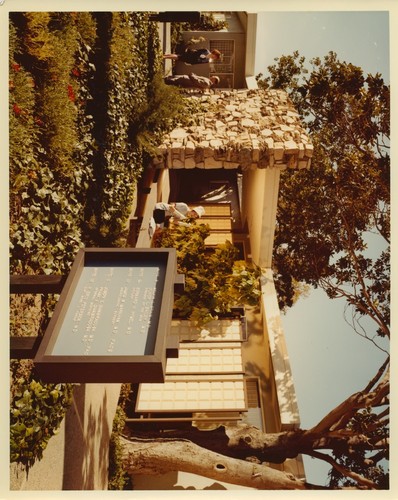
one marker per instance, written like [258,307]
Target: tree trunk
[243,441]
[153,457]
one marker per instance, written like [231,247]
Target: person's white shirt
[178,210]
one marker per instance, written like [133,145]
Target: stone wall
[240,128]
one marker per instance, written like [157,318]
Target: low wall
[245,129]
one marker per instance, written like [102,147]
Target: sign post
[112,321]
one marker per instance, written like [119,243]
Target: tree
[355,431]
[326,214]
[215,280]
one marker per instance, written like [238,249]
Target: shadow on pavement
[86,442]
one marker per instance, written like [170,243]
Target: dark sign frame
[108,368]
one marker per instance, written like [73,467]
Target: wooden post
[179,284]
[37,283]
[24,347]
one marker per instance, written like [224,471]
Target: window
[226,66]
[201,393]
[207,358]
[254,414]
[219,217]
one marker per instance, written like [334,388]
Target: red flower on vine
[75,72]
[71,93]
[16,67]
[17,110]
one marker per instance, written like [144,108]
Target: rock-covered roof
[240,128]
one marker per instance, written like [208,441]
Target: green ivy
[36,414]
[118,478]
[73,159]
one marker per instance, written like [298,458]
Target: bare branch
[378,375]
[381,455]
[356,322]
[346,472]
[371,309]
[384,413]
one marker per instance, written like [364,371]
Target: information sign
[112,319]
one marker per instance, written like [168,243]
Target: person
[179,211]
[195,56]
[192,81]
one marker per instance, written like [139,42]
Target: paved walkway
[77,457]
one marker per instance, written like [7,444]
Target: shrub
[118,479]
[36,413]
[215,281]
[77,81]
[207,23]
[163,109]
[38,39]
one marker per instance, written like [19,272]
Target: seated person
[192,81]
[195,56]
[179,211]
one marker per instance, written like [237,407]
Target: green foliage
[118,479]
[50,151]
[214,280]
[207,23]
[164,109]
[36,413]
[133,108]
[120,84]
[358,459]
[37,38]
[326,213]
[72,168]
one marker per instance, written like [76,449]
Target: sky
[329,361]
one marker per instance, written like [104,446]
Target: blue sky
[329,361]
[358,37]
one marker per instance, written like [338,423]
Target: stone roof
[239,128]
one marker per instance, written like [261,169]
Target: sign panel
[113,318]
[113,311]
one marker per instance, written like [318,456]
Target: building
[237,44]
[236,368]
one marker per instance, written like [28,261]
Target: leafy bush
[207,23]
[133,109]
[36,413]
[163,110]
[49,151]
[214,280]
[118,478]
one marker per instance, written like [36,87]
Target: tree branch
[364,399]
[155,457]
[371,309]
[378,375]
[355,323]
[345,472]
